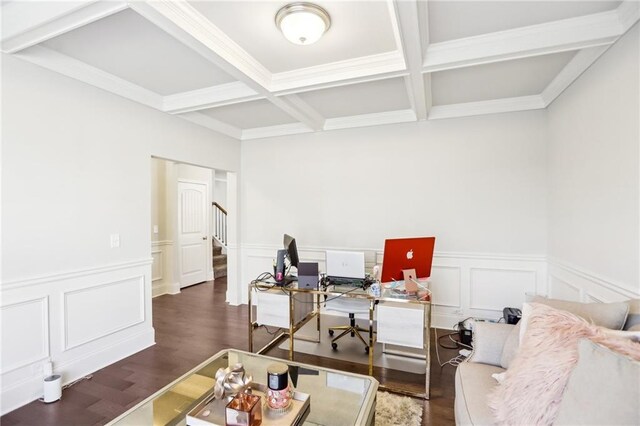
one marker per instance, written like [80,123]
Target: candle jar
[244,410]
[279,392]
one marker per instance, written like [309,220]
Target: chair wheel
[366,349]
[334,345]
[330,332]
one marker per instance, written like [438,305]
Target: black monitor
[292,249]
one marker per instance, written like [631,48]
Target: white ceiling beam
[374,119]
[271,131]
[300,110]
[25,24]
[406,14]
[574,69]
[350,69]
[210,97]
[70,67]
[212,124]
[522,103]
[628,14]
[558,36]
[182,21]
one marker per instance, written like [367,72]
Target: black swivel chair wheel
[334,345]
[331,333]
[366,350]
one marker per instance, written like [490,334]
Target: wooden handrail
[220,207]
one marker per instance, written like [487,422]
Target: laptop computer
[345,264]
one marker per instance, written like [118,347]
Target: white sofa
[494,347]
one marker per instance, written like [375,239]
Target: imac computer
[407,253]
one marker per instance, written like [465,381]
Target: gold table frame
[332,291]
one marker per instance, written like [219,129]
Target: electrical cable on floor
[456,360]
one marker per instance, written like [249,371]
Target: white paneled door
[192,232]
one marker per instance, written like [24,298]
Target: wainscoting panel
[493,289]
[561,289]
[157,265]
[96,312]
[570,282]
[464,284]
[445,285]
[80,320]
[162,267]
[29,342]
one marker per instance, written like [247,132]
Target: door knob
[204,238]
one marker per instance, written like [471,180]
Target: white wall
[76,168]
[477,184]
[594,214]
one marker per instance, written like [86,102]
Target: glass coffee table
[336,397]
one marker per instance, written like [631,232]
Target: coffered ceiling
[224,64]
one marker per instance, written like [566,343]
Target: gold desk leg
[250,316]
[291,325]
[372,305]
[426,341]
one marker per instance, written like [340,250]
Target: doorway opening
[189,234]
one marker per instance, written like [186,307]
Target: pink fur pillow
[535,381]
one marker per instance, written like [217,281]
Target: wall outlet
[115,240]
[155,229]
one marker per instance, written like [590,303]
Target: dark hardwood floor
[190,327]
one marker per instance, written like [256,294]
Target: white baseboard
[30,388]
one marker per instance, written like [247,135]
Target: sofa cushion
[488,341]
[609,315]
[633,319]
[599,368]
[535,381]
[473,382]
[510,347]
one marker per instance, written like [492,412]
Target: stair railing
[220,223]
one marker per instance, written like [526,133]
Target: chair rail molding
[81,320]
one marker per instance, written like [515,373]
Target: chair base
[352,329]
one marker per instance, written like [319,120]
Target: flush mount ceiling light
[303,23]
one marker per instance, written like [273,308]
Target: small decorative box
[244,410]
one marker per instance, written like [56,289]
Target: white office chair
[352,307]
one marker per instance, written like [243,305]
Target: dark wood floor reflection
[190,327]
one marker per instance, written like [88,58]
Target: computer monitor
[407,253]
[292,249]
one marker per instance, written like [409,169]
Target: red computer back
[407,253]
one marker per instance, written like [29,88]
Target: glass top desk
[337,398]
[295,322]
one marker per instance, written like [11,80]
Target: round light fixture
[303,23]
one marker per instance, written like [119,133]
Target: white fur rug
[396,410]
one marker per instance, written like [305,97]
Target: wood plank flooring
[190,327]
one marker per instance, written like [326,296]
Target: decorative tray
[215,410]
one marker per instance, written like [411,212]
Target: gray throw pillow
[511,346]
[609,315]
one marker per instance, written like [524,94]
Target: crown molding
[209,97]
[567,34]
[348,69]
[271,131]
[375,119]
[25,24]
[70,67]
[522,103]
[576,66]
[212,124]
